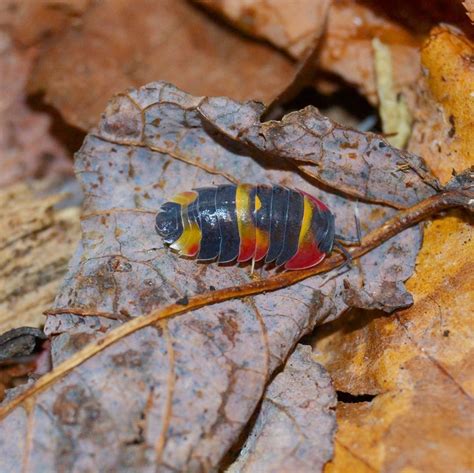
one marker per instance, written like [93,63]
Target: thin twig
[403,220]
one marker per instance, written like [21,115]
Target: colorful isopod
[248,222]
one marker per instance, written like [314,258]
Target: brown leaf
[444,128]
[420,16]
[27,148]
[347,46]
[133,403]
[33,21]
[348,49]
[287,28]
[119,44]
[418,364]
[469,6]
[295,426]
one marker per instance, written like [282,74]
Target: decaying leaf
[469,6]
[27,149]
[287,28]
[132,405]
[36,243]
[362,165]
[417,364]
[33,21]
[444,129]
[346,50]
[420,16]
[295,426]
[120,44]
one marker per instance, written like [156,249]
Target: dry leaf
[132,405]
[420,16]
[418,364]
[291,29]
[36,243]
[119,44]
[32,21]
[444,128]
[346,49]
[407,380]
[350,28]
[27,148]
[295,426]
[469,6]
[359,164]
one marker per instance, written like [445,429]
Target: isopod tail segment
[287,228]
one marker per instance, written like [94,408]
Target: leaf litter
[118,44]
[132,405]
[27,148]
[443,129]
[346,51]
[418,364]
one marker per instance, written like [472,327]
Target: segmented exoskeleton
[238,223]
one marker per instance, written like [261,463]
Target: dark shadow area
[345,106]
[351,321]
[69,136]
[348,398]
[420,16]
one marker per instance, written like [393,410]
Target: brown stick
[403,220]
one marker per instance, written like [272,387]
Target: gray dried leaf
[296,424]
[362,165]
[174,396]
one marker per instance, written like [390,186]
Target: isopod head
[168,222]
